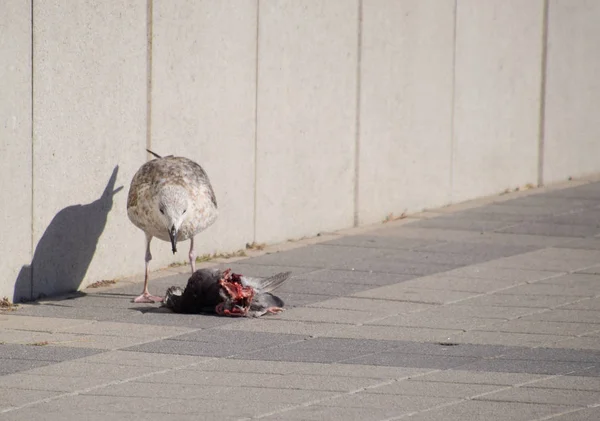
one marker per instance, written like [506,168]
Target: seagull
[226,294]
[170,198]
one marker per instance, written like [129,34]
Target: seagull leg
[192,255]
[146,297]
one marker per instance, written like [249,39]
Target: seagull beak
[173,236]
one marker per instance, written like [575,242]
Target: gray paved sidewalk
[491,312]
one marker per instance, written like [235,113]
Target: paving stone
[540,327]
[552,229]
[201,377]
[432,234]
[556,203]
[592,270]
[10,397]
[588,281]
[288,327]
[533,262]
[426,319]
[503,338]
[486,410]
[592,343]
[395,333]
[217,393]
[460,376]
[483,250]
[569,316]
[373,400]
[553,354]
[397,267]
[545,396]
[533,367]
[364,371]
[125,329]
[436,258]
[82,369]
[329,315]
[509,300]
[514,208]
[522,240]
[39,412]
[248,268]
[580,414]
[381,242]
[401,292]
[584,304]
[143,359]
[43,353]
[489,271]
[317,256]
[335,289]
[482,312]
[382,307]
[319,413]
[590,217]
[565,289]
[570,383]
[329,383]
[38,324]
[471,224]
[454,283]
[435,389]
[11,365]
[294,299]
[397,359]
[125,401]
[482,214]
[321,350]
[356,277]
[52,383]
[590,243]
[238,340]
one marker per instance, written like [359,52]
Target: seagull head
[173,204]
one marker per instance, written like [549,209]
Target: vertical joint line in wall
[357,121]
[32,155]
[453,101]
[256,121]
[542,115]
[149,12]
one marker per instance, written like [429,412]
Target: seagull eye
[162,211]
[185,210]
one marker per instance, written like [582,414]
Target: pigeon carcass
[227,294]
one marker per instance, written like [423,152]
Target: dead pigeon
[170,198]
[226,294]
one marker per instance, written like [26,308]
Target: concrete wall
[496,95]
[571,125]
[15,144]
[308,115]
[405,126]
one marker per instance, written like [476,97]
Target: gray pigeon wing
[266,284]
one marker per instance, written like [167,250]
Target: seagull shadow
[65,251]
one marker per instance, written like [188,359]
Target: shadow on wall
[65,251]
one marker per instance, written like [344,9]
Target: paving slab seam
[572,411]
[116,382]
[476,397]
[340,395]
[446,304]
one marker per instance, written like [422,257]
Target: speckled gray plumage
[157,174]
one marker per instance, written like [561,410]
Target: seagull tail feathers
[155,154]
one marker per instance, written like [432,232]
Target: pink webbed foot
[274,310]
[147,298]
